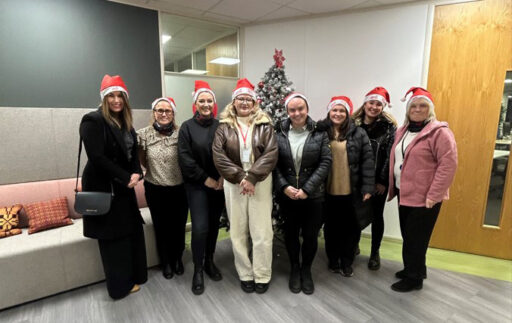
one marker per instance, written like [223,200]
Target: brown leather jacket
[226,150]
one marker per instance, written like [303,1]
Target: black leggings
[206,206]
[169,209]
[301,216]
[341,230]
[378,202]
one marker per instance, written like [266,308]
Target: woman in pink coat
[423,161]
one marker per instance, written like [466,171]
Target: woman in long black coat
[113,166]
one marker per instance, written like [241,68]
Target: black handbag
[91,203]
[363,210]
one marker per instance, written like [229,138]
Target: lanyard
[244,137]
[403,140]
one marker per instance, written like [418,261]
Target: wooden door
[470,53]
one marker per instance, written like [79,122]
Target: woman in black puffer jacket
[380,127]
[299,179]
[351,178]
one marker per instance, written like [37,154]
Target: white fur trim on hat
[293,96]
[243,90]
[377,97]
[112,89]
[338,102]
[201,90]
[418,97]
[173,106]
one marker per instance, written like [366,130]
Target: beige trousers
[250,220]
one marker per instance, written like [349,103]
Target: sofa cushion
[47,214]
[9,220]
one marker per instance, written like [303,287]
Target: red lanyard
[244,137]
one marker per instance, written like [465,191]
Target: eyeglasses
[244,100]
[163,111]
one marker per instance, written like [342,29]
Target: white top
[297,139]
[245,131]
[399,156]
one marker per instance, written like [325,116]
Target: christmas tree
[274,88]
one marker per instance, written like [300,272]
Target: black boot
[211,270]
[198,281]
[374,262]
[167,271]
[401,274]
[179,268]
[407,284]
[307,281]
[294,283]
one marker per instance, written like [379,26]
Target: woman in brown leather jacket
[245,153]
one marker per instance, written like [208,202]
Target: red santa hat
[379,94]
[418,92]
[111,84]
[294,95]
[341,100]
[166,99]
[200,87]
[243,86]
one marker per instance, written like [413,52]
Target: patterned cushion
[9,220]
[47,215]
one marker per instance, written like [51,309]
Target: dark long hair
[328,126]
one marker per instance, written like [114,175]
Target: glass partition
[501,157]
[193,46]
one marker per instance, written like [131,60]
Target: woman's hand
[291,191]
[380,189]
[210,182]
[134,179]
[301,195]
[247,187]
[430,204]
[220,184]
[366,197]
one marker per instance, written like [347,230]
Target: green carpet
[436,258]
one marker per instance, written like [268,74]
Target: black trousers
[169,210]
[124,262]
[416,225]
[378,202]
[301,216]
[206,206]
[341,230]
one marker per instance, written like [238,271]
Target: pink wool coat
[429,165]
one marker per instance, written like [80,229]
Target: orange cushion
[9,220]
[47,215]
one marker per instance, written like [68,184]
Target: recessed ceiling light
[194,72]
[225,61]
[508,81]
[166,38]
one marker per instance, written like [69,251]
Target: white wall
[346,54]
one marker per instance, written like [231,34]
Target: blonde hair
[124,120]
[229,113]
[431,113]
[358,116]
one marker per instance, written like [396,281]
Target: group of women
[321,173]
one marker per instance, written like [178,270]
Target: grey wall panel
[54,53]
[42,144]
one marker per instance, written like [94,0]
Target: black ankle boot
[167,271]
[407,284]
[374,262]
[198,281]
[308,287]
[211,270]
[294,283]
[179,268]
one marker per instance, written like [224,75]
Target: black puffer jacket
[381,134]
[315,165]
[360,157]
